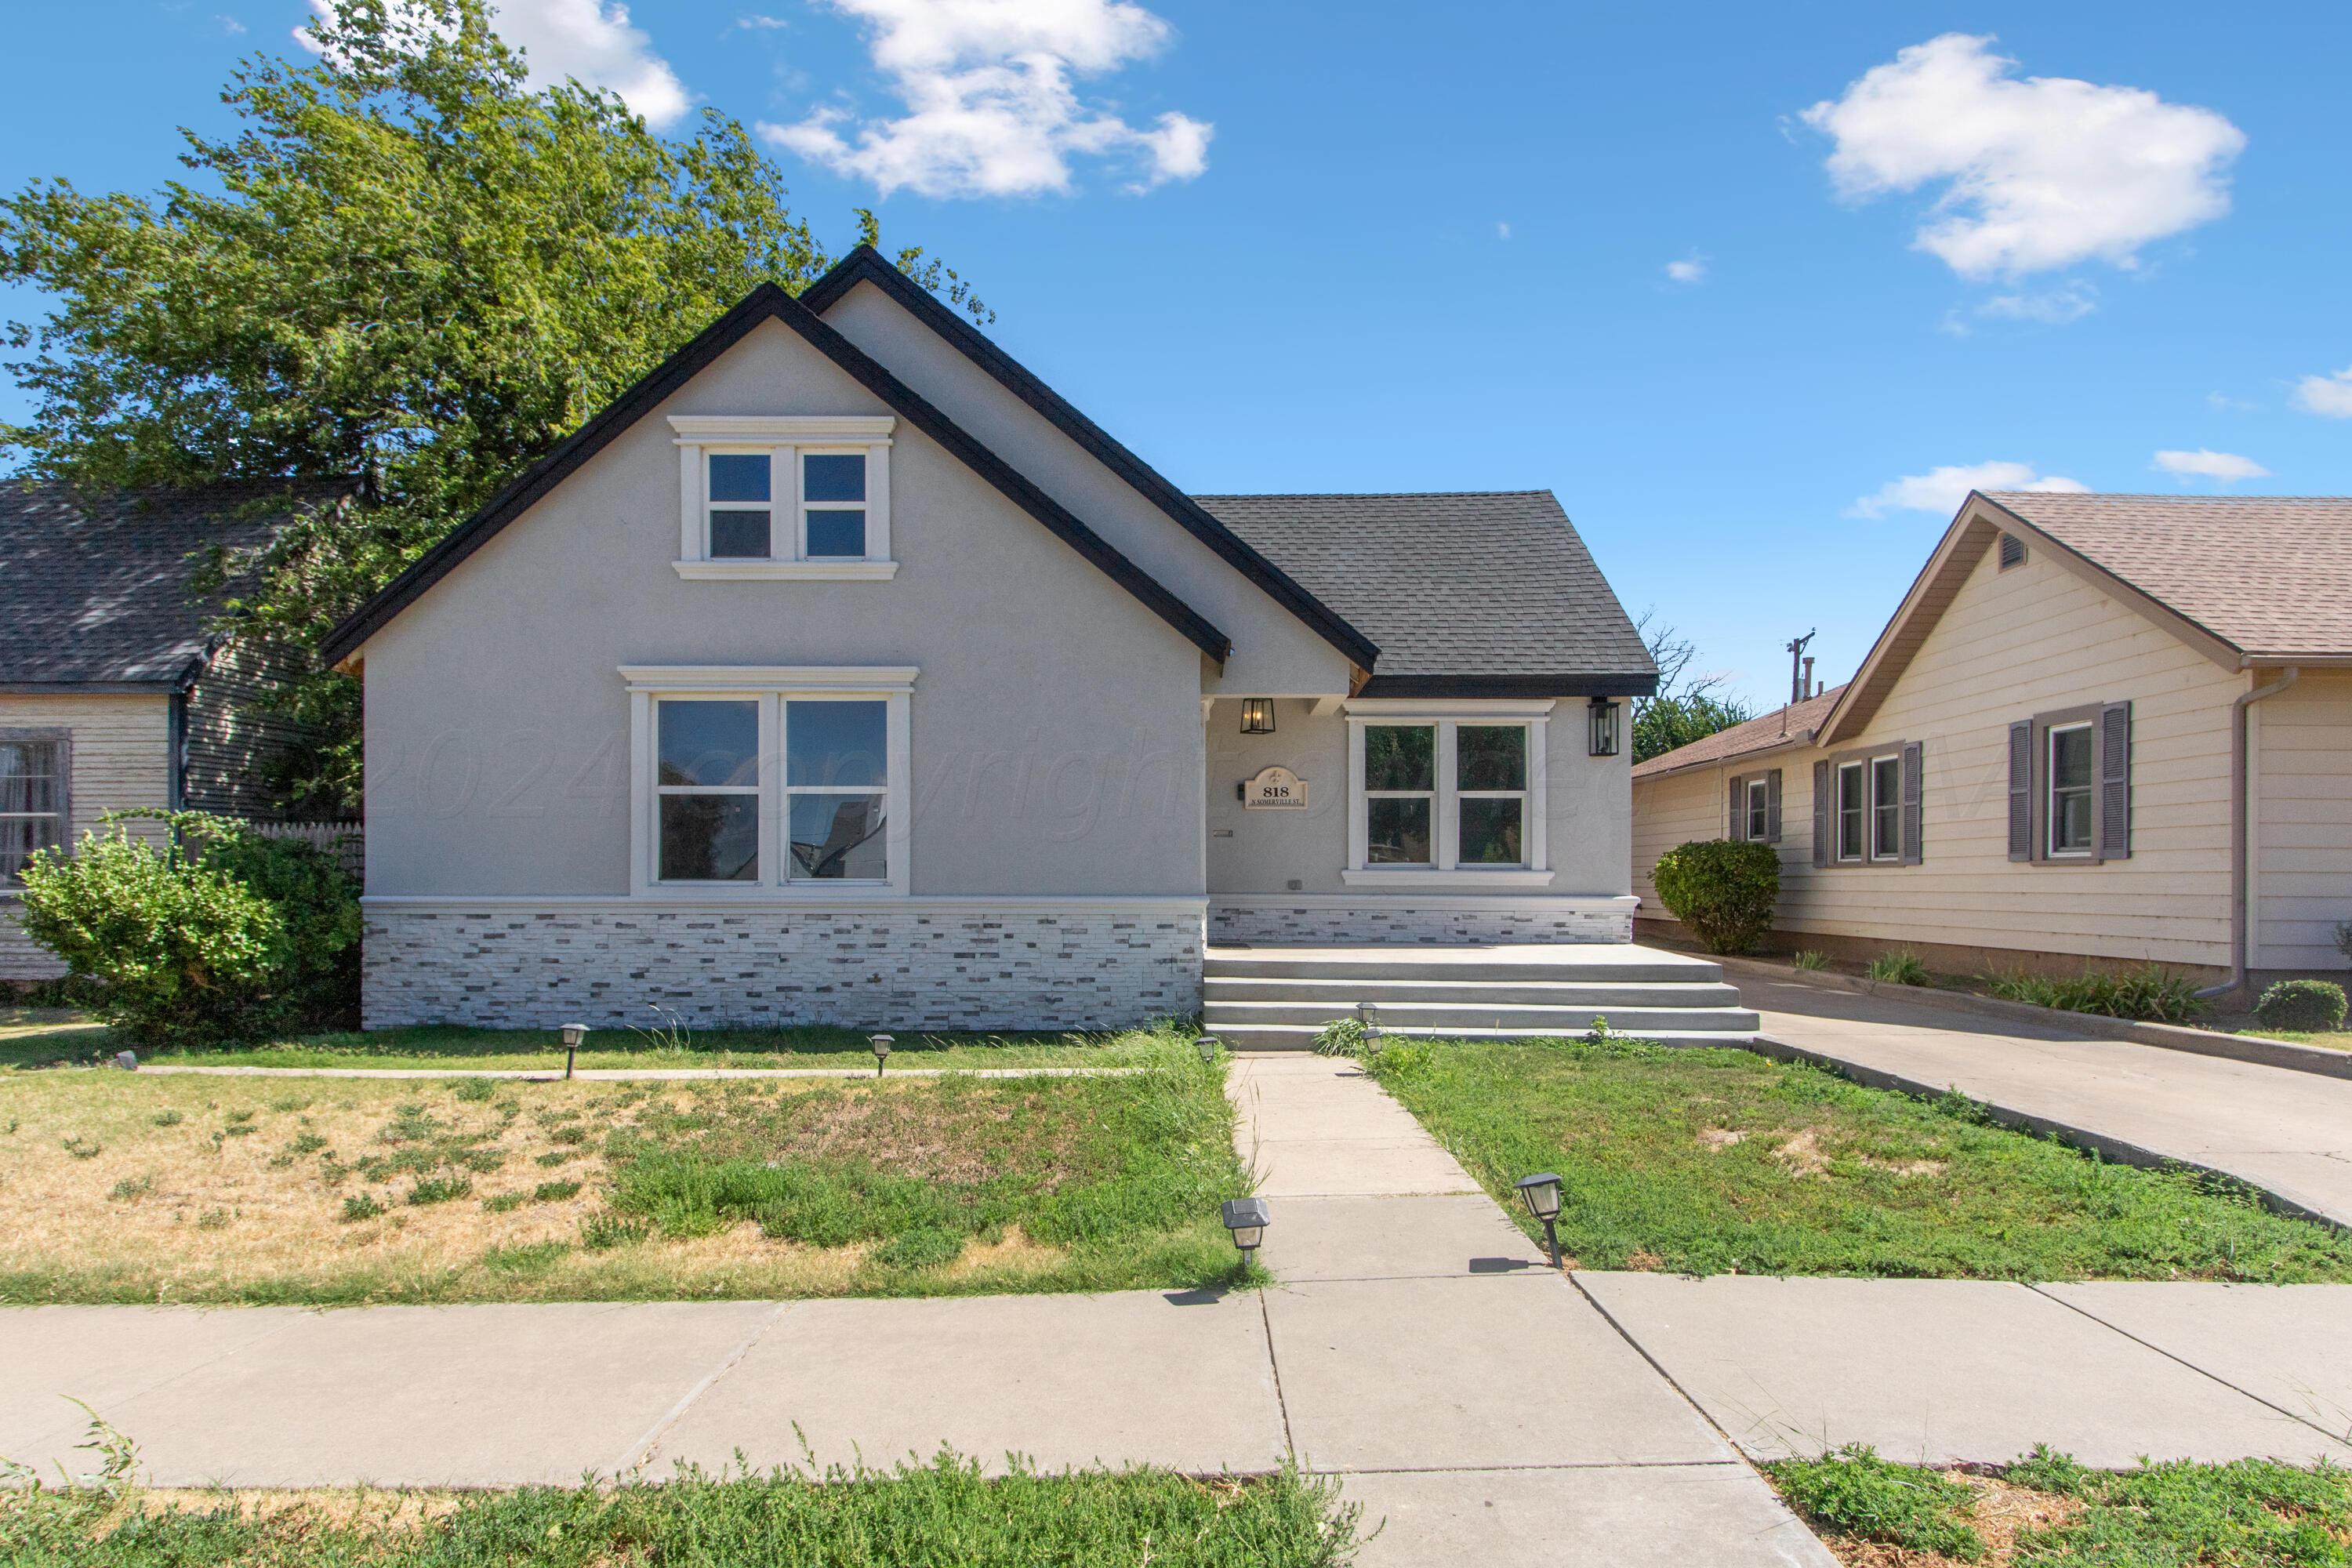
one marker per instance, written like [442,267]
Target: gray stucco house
[840,671]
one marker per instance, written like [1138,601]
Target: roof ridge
[2165,496]
[1360,495]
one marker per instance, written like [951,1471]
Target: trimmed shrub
[2302,1006]
[2150,993]
[1722,890]
[220,934]
[1899,968]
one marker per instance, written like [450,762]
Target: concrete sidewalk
[2287,1133]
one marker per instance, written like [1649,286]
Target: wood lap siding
[2300,850]
[235,741]
[120,762]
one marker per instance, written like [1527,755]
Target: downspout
[2241,804]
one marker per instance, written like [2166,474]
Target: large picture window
[1454,792]
[32,802]
[770,778]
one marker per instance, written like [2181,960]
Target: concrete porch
[1268,997]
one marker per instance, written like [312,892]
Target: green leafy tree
[1687,707]
[405,269]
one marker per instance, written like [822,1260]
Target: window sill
[786,570]
[1430,877]
[765,893]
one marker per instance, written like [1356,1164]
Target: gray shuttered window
[1772,807]
[2115,782]
[1915,789]
[1821,814]
[2021,790]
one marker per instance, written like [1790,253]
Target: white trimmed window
[1451,794]
[1852,811]
[758,779]
[33,814]
[1887,807]
[777,497]
[1757,811]
[2073,807]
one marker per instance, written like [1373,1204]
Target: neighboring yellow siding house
[2065,675]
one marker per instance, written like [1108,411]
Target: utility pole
[1797,662]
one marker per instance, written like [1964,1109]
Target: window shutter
[1821,814]
[1738,817]
[1915,791]
[1772,807]
[2115,782]
[2021,790]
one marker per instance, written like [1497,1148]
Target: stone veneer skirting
[1333,921]
[962,964]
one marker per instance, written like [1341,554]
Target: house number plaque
[1275,789]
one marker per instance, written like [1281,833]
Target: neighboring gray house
[117,692]
[841,671]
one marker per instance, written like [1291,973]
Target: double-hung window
[2071,776]
[1758,810]
[1435,794]
[770,778]
[782,496]
[1852,810]
[1870,806]
[33,780]
[1887,807]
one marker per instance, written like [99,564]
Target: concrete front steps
[1275,998]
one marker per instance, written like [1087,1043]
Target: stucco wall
[1273,652]
[1057,738]
[1586,827]
[2301,843]
[122,760]
[2011,644]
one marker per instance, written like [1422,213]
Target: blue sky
[1372,247]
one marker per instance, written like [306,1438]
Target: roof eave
[1587,684]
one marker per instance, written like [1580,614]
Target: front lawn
[1711,1161]
[943,1512]
[131,1187]
[2047,1510]
[31,1038]
[2339,1040]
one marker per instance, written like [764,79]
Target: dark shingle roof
[94,590]
[1477,594]
[2271,576]
[1789,724]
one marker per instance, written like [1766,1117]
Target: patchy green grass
[53,1039]
[2048,1511]
[2336,1040]
[942,1512]
[139,1188]
[1715,1161]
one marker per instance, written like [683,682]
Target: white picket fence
[345,840]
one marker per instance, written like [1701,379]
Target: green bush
[2150,993]
[222,933]
[1723,890]
[2303,1007]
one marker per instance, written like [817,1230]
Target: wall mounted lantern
[1258,715]
[573,1035]
[1604,727]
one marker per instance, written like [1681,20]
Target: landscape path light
[1247,1219]
[1207,1045]
[573,1035]
[1541,1194]
[881,1043]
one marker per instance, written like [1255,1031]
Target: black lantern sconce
[1258,715]
[1604,727]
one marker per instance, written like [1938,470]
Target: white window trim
[1837,819]
[1756,810]
[2049,792]
[784,438]
[772,686]
[1446,826]
[1870,818]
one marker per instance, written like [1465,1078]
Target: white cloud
[2054,307]
[991,107]
[1941,491]
[589,40]
[2223,402]
[758,23]
[2038,171]
[2325,395]
[1689,270]
[2206,464]
[1502,230]
[229,25]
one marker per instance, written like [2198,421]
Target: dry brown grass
[201,1211]
[1998,1512]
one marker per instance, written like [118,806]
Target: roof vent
[2013,551]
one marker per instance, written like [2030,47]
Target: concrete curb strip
[2170,1036]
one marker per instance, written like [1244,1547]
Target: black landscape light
[1258,715]
[1246,1218]
[1207,1045]
[1541,1194]
[881,1043]
[573,1035]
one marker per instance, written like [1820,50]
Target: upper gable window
[785,497]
